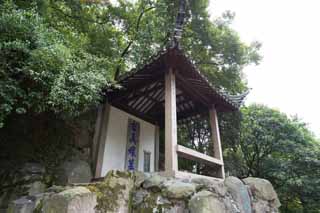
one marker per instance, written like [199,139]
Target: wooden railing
[197,156]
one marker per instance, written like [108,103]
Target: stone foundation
[122,192]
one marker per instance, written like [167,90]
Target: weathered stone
[120,193]
[162,201]
[263,189]
[215,186]
[140,177]
[231,205]
[6,197]
[239,193]
[57,189]
[82,138]
[116,192]
[22,205]
[85,123]
[202,181]
[154,182]
[206,202]
[27,180]
[39,198]
[261,206]
[30,172]
[177,189]
[75,200]
[33,168]
[138,196]
[74,171]
[178,207]
[155,202]
[36,188]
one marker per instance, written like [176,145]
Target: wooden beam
[215,134]
[135,113]
[158,97]
[197,156]
[158,111]
[144,92]
[193,93]
[140,99]
[178,96]
[127,90]
[171,157]
[154,100]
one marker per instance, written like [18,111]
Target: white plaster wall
[116,141]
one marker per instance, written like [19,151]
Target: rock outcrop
[26,181]
[74,171]
[205,202]
[239,192]
[22,205]
[74,200]
[265,198]
[122,192]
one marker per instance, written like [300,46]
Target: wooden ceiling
[142,90]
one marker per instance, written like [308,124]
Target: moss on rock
[115,192]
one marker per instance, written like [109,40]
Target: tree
[282,150]
[59,55]
[42,69]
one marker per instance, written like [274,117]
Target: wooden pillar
[216,139]
[171,157]
[100,137]
[156,148]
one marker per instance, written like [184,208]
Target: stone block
[206,202]
[75,200]
[74,171]
[263,189]
[239,193]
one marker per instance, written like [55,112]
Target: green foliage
[195,134]
[56,56]
[262,142]
[282,150]
[42,70]
[59,55]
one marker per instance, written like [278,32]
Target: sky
[288,76]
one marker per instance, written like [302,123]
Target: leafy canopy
[59,55]
[42,70]
[282,150]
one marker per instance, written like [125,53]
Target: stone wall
[122,192]
[38,151]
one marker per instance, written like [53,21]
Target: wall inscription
[132,152]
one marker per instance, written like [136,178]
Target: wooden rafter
[139,93]
[141,99]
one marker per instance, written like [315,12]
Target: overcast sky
[288,76]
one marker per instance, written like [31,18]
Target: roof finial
[179,23]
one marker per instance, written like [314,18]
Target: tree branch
[126,50]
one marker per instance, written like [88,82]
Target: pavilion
[166,90]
